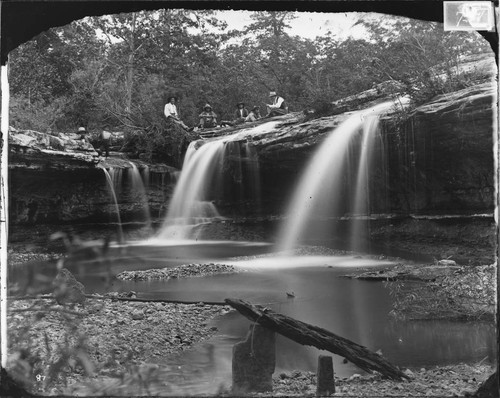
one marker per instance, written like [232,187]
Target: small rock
[137,315]
[447,262]
[409,373]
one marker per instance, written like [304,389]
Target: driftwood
[307,334]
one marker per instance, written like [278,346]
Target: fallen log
[306,334]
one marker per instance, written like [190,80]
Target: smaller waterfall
[202,181]
[188,206]
[111,187]
[322,186]
[137,186]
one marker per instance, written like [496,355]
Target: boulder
[67,290]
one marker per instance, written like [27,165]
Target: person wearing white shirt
[278,106]
[171,113]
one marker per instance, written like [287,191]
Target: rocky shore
[182,271]
[103,339]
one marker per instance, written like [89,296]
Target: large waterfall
[322,186]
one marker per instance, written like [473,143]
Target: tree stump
[254,361]
[325,382]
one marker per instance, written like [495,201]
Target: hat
[207,106]
[240,103]
[272,93]
[255,108]
[81,129]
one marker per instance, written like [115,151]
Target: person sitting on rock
[239,116]
[253,115]
[208,118]
[104,143]
[171,113]
[241,113]
[83,133]
[278,106]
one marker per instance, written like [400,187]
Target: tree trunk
[307,334]
[130,68]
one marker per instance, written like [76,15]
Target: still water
[355,309]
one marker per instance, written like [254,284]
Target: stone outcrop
[441,159]
[59,179]
[30,149]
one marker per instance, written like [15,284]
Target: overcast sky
[307,24]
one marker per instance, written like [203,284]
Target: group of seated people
[208,118]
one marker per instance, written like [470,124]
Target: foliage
[117,71]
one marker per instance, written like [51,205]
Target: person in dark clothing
[208,117]
[240,114]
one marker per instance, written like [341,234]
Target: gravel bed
[182,271]
[104,337]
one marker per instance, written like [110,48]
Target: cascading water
[111,187]
[362,191]
[321,187]
[138,187]
[200,181]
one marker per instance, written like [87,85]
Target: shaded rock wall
[60,196]
[441,160]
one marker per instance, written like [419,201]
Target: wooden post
[325,382]
[254,361]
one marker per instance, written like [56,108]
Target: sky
[307,24]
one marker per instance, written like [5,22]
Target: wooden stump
[325,382]
[254,361]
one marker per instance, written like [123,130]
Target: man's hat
[207,106]
[272,93]
[255,108]
[240,103]
[81,129]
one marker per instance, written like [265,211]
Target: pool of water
[355,309]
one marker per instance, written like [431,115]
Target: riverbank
[103,339]
[110,347]
[443,290]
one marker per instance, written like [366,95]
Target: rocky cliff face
[59,179]
[436,159]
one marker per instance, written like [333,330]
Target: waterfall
[202,180]
[138,187]
[321,187]
[111,187]
[362,191]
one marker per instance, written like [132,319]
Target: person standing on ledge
[278,106]
[171,113]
